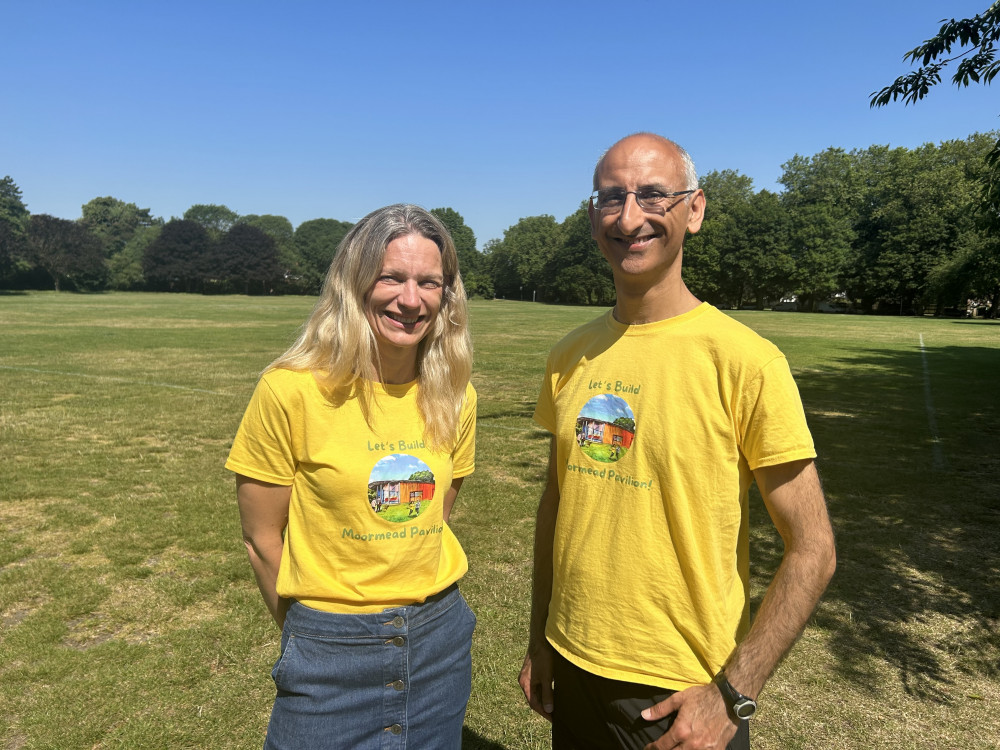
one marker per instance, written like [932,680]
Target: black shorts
[595,713]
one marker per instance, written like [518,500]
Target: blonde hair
[338,345]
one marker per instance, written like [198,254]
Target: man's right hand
[536,678]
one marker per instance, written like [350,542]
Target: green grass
[128,613]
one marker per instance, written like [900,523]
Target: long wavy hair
[338,345]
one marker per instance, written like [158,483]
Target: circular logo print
[400,487]
[605,428]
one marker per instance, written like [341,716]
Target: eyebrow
[656,186]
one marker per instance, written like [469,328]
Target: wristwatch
[739,705]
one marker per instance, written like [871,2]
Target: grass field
[128,613]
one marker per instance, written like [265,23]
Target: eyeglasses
[650,200]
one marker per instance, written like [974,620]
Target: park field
[128,613]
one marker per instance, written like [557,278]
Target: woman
[348,461]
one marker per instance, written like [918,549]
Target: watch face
[744,709]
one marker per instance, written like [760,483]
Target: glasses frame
[653,208]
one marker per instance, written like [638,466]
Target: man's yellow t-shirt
[658,428]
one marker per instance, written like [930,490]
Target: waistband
[392,621]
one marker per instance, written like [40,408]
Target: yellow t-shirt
[658,428]
[365,528]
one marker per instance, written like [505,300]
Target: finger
[548,703]
[663,708]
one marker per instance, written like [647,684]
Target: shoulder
[582,337]
[730,340]
[287,383]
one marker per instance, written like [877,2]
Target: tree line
[889,230]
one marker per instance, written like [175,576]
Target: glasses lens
[609,200]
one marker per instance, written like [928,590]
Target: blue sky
[606,408]
[498,110]
[397,466]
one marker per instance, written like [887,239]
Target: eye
[650,195]
[430,284]
[387,279]
[610,198]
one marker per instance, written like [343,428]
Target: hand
[702,721]
[536,679]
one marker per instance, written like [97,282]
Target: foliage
[469,260]
[13,216]
[66,251]
[180,258]
[576,272]
[316,242]
[247,254]
[976,38]
[215,219]
[114,222]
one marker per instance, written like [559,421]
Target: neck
[639,303]
[397,368]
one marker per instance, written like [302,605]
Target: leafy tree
[527,246]
[576,272]
[469,261]
[125,266]
[976,39]
[215,219]
[180,258]
[13,217]
[316,241]
[247,254]
[66,251]
[115,222]
[422,476]
[281,231]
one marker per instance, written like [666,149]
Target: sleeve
[262,448]
[773,428]
[545,408]
[464,456]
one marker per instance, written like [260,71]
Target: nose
[409,294]
[632,217]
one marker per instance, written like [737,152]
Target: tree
[977,39]
[180,257]
[469,260]
[576,272]
[125,266]
[247,254]
[215,219]
[13,218]
[114,222]
[281,231]
[66,251]
[316,242]
[527,247]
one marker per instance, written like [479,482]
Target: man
[640,633]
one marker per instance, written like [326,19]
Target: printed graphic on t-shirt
[605,428]
[400,487]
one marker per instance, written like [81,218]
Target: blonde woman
[348,460]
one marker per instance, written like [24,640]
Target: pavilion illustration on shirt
[400,481]
[605,428]
[394,491]
[597,431]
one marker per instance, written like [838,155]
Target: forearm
[265,560]
[788,603]
[541,585]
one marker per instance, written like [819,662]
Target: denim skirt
[395,679]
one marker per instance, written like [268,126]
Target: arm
[449,497]
[536,672]
[794,499]
[264,516]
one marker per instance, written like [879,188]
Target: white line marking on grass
[112,379]
[937,455]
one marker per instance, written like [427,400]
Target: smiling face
[643,247]
[404,301]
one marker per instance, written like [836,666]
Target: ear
[696,211]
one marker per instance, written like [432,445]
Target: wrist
[740,707]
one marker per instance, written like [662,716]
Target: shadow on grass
[916,537]
[473,741]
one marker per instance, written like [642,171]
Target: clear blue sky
[496,109]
